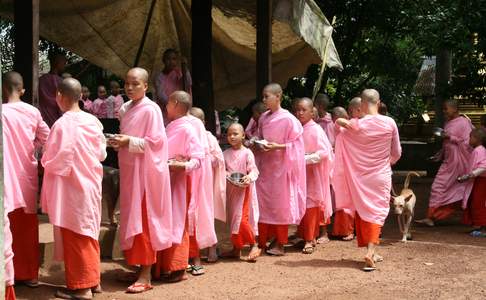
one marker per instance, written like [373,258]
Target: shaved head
[198,113]
[70,89]
[259,107]
[354,103]
[140,73]
[273,88]
[13,81]
[322,99]
[452,103]
[237,126]
[339,112]
[371,96]
[183,98]
[305,101]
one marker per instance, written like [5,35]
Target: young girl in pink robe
[325,119]
[185,156]
[447,193]
[71,192]
[318,158]
[241,197]
[474,201]
[280,160]
[252,128]
[24,133]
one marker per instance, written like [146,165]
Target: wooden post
[202,67]
[26,40]
[263,46]
[442,77]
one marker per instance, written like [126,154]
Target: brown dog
[404,205]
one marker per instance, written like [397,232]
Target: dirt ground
[440,263]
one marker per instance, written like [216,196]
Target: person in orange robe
[71,193]
[185,155]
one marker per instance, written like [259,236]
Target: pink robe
[71,191]
[478,160]
[202,226]
[24,132]
[456,160]
[88,105]
[364,155]
[241,161]
[166,84]
[219,178]
[318,174]
[183,142]
[98,108]
[146,174]
[281,187]
[47,98]
[109,108]
[327,124]
[251,129]
[7,250]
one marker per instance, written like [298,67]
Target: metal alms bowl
[236,177]
[437,131]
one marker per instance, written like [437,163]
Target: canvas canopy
[108,33]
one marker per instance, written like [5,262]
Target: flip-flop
[322,240]
[369,265]
[67,295]
[377,258]
[29,283]
[189,268]
[197,270]
[138,288]
[348,238]
[308,250]
[477,233]
[96,290]
[253,259]
[275,252]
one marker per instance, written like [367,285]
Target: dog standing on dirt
[404,205]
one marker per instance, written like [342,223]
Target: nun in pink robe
[281,186]
[366,152]
[183,145]
[219,177]
[251,129]
[319,158]
[201,226]
[71,193]
[446,192]
[144,176]
[327,124]
[24,132]
[47,98]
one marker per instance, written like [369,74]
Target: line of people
[175,181]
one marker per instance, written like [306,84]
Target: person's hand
[464,178]
[119,141]
[445,135]
[271,146]
[343,123]
[246,180]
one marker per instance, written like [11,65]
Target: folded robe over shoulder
[366,152]
[281,187]
[145,173]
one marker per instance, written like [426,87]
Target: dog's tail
[407,179]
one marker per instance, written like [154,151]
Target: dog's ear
[408,198]
[392,199]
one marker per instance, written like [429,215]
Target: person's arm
[58,158]
[396,147]
[312,158]
[41,133]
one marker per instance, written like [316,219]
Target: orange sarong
[141,252]
[267,231]
[367,232]
[25,245]
[309,225]
[245,234]
[10,293]
[343,224]
[81,260]
[475,213]
[443,212]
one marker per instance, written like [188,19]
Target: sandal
[308,250]
[275,252]
[348,238]
[369,265]
[197,270]
[176,276]
[253,258]
[68,295]
[138,288]
[477,233]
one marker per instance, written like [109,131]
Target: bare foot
[234,253]
[254,253]
[324,239]
[308,248]
[426,221]
[177,276]
[97,289]
[212,254]
[277,250]
[349,237]
[369,264]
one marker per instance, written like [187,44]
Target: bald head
[322,99]
[259,107]
[139,73]
[70,89]
[339,112]
[273,88]
[13,82]
[452,103]
[236,126]
[182,99]
[307,102]
[198,113]
[370,96]
[354,103]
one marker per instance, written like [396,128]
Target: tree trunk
[442,77]
[264,45]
